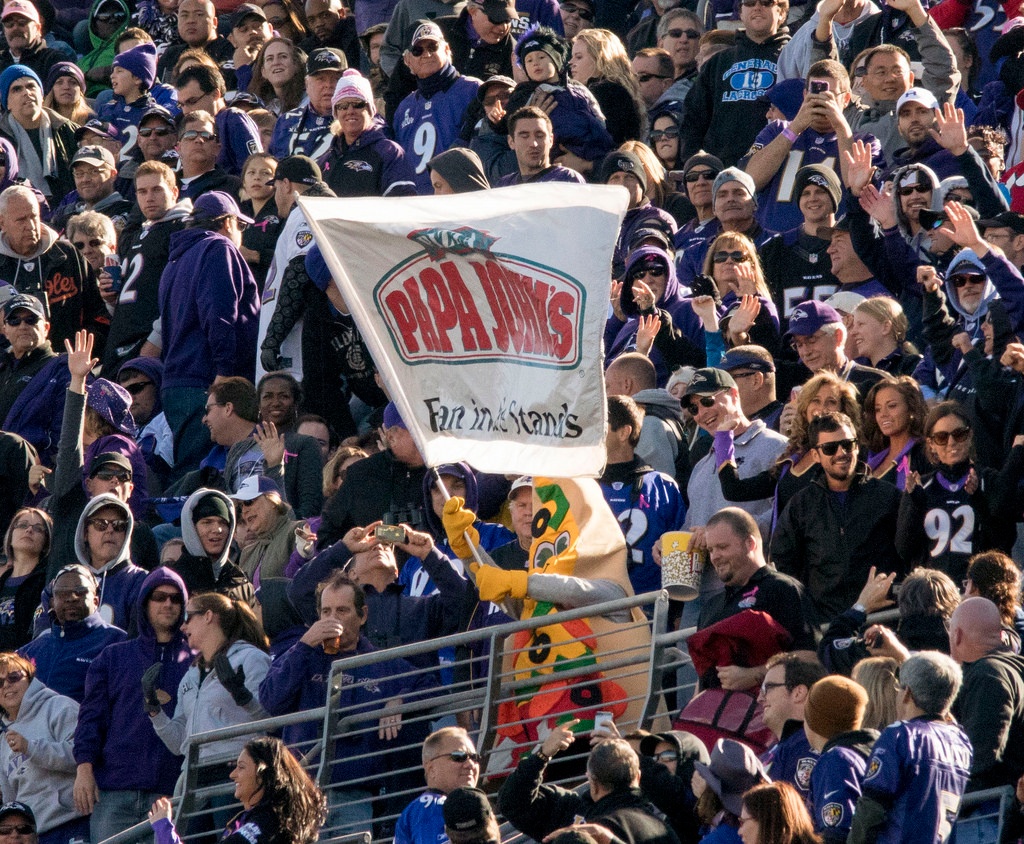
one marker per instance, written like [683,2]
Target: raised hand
[271,443]
[80,359]
[859,168]
[950,130]
[646,331]
[879,204]
[961,229]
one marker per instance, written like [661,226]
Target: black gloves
[149,681]
[232,679]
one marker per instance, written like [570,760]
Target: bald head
[974,630]
[630,373]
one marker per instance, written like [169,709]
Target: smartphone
[390,533]
[602,718]
[112,267]
[818,86]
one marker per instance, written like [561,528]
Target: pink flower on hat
[354,86]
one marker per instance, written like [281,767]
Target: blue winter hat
[65,69]
[140,61]
[392,417]
[12,75]
[151,368]
[787,96]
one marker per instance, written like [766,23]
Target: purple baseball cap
[216,204]
[810,317]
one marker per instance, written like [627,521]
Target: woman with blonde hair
[880,334]
[27,550]
[879,677]
[747,313]
[279,75]
[599,61]
[65,93]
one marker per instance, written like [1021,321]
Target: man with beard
[531,138]
[841,526]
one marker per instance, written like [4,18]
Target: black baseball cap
[299,168]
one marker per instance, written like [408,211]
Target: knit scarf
[30,167]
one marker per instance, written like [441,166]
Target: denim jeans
[349,810]
[184,408]
[115,811]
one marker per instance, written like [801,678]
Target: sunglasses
[584,14]
[23,829]
[166,597]
[119,525]
[459,757]
[703,401]
[29,319]
[201,134]
[696,175]
[647,77]
[666,756]
[359,106]
[419,49]
[661,134]
[751,3]
[73,592]
[190,614]
[943,437]
[137,387]
[159,131]
[832,449]
[11,679]
[109,17]
[95,243]
[690,33]
[962,279]
[722,257]
[113,475]
[912,189]
[654,272]
[32,526]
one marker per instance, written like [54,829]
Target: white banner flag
[484,313]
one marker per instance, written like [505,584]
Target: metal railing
[470,693]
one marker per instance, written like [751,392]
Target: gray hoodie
[659,443]
[188,528]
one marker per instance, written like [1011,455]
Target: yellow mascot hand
[458,520]
[495,584]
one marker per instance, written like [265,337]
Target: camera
[394,534]
[818,86]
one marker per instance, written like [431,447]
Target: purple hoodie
[114,732]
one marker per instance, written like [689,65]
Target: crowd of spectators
[814,362]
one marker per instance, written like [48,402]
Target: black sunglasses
[961,279]
[723,256]
[912,189]
[137,387]
[192,134]
[832,449]
[113,475]
[656,272]
[418,50]
[696,175]
[94,242]
[689,33]
[459,757]
[584,14]
[647,77]
[703,401]
[659,134]
[943,437]
[28,319]
[119,525]
[159,131]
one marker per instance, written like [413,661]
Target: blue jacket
[792,759]
[114,732]
[918,772]
[209,306]
[63,654]
[372,165]
[422,821]
[836,783]
[297,680]
[239,138]
[126,116]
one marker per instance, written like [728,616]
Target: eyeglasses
[943,437]
[647,77]
[832,449]
[427,47]
[95,243]
[23,829]
[190,614]
[654,272]
[960,279]
[12,678]
[459,757]
[208,408]
[661,134]
[113,475]
[736,257]
[109,17]
[697,175]
[159,131]
[119,525]
[751,3]
[12,22]
[166,597]
[689,33]
[200,134]
[72,592]
[909,190]
[584,14]
[359,106]
[32,526]
[137,387]
[28,319]
[767,687]
[666,756]
[962,198]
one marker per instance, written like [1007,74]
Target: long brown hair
[236,620]
[848,404]
[780,813]
[917,410]
[300,806]
[294,88]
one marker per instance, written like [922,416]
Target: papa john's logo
[458,301]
